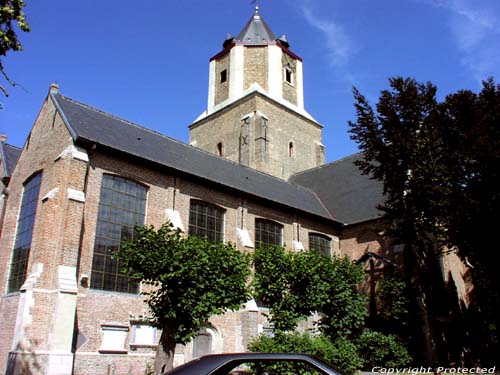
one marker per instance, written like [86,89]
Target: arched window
[220,149]
[122,205]
[320,243]
[268,232]
[291,149]
[25,225]
[202,344]
[206,220]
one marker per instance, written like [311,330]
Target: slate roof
[349,195]
[89,124]
[9,154]
[256,31]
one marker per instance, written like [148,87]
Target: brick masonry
[283,126]
[64,235]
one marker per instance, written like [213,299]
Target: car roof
[204,365]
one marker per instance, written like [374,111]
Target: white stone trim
[175,218]
[298,246]
[51,194]
[251,306]
[236,72]
[76,195]
[244,237]
[59,363]
[299,80]
[66,279]
[274,72]
[257,88]
[211,84]
[75,152]
[252,114]
[25,304]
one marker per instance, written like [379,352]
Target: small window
[290,150]
[220,149]
[320,243]
[206,220]
[223,76]
[202,344]
[268,232]
[289,76]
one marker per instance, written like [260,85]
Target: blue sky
[147,61]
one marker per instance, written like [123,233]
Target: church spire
[256,31]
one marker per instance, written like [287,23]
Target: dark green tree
[189,280]
[439,163]
[12,19]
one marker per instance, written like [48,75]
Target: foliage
[343,308]
[435,158]
[297,284]
[11,17]
[393,295]
[378,349]
[190,279]
[341,353]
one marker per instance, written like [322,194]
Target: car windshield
[271,367]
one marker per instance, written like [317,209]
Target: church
[253,172]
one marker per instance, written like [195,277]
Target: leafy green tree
[297,284]
[434,159]
[12,18]
[190,279]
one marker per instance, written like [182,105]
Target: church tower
[255,113]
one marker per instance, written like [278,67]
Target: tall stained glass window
[24,234]
[206,220]
[268,232]
[122,205]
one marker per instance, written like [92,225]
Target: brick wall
[284,126]
[256,67]
[222,88]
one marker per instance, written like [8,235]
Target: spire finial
[256,2]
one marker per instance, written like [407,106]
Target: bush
[378,349]
[341,353]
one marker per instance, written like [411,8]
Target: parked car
[255,364]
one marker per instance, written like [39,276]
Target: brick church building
[254,171]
